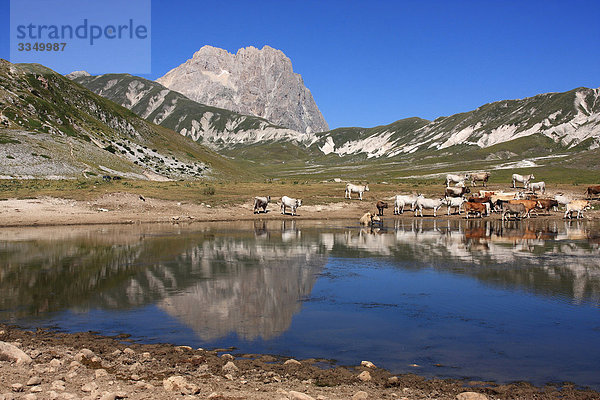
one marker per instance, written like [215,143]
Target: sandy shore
[45,364]
[120,208]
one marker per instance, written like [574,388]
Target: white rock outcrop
[252,81]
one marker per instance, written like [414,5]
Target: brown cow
[529,205]
[546,204]
[474,199]
[380,206]
[476,208]
[592,190]
[456,191]
[485,193]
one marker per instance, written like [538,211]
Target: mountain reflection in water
[250,279]
[299,287]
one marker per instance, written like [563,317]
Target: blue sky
[371,63]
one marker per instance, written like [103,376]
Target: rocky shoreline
[46,364]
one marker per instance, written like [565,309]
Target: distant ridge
[548,128]
[211,126]
[569,119]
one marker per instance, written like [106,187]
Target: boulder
[12,353]
[230,367]
[364,376]
[360,395]
[471,396]
[180,385]
[367,364]
[34,380]
[299,396]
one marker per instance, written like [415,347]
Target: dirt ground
[88,366]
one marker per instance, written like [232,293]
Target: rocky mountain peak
[77,74]
[253,81]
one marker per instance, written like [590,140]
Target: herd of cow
[515,204]
[509,204]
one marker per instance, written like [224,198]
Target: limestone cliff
[252,81]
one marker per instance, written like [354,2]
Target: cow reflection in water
[477,235]
[289,231]
[260,230]
[523,234]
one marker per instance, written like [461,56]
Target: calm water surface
[476,299]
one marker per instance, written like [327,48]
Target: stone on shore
[58,385]
[230,367]
[34,380]
[180,385]
[299,396]
[113,396]
[100,373]
[471,396]
[364,376]
[368,364]
[89,387]
[13,353]
[360,395]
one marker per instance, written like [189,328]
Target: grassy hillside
[54,127]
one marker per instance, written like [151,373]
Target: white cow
[454,202]
[525,179]
[432,204]
[541,186]
[401,200]
[352,188]
[291,203]
[451,178]
[562,200]
[578,206]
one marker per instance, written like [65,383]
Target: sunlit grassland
[234,193]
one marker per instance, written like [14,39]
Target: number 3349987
[41,46]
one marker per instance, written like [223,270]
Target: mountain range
[550,124]
[126,125]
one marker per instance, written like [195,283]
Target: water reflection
[250,278]
[214,281]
